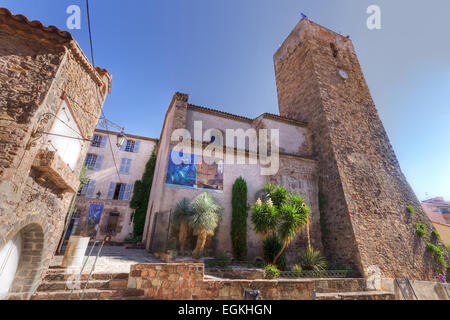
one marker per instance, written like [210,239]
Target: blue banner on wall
[94,216]
[187,172]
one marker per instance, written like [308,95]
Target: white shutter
[112,188]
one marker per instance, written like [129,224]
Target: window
[88,189]
[119,191]
[130,146]
[63,132]
[113,221]
[90,161]
[96,141]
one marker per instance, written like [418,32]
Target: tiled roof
[36,24]
[245,119]
[53,35]
[433,214]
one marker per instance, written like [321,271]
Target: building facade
[103,204]
[438,210]
[50,101]
[333,148]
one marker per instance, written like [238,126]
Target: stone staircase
[101,286]
[348,289]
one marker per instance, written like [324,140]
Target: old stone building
[333,148]
[50,101]
[108,189]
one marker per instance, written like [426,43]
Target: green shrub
[436,234]
[141,195]
[438,254]
[421,229]
[342,266]
[311,259]
[411,210]
[239,218]
[222,260]
[272,246]
[271,272]
[297,269]
[448,247]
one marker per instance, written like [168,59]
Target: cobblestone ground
[114,259]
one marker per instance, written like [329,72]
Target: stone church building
[50,101]
[334,151]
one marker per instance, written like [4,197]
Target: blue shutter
[98,163]
[90,189]
[122,191]
[128,189]
[103,142]
[137,144]
[112,188]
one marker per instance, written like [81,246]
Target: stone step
[93,284]
[90,294]
[361,295]
[61,275]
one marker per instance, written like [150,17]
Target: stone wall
[364,193]
[185,281]
[38,68]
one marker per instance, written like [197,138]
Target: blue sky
[220,53]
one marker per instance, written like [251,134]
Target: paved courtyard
[115,259]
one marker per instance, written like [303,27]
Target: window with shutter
[98,163]
[90,189]
[112,189]
[96,141]
[127,194]
[137,145]
[90,161]
[104,141]
[125,166]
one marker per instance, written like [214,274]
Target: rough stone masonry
[363,194]
[40,67]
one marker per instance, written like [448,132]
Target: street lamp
[120,139]
[105,123]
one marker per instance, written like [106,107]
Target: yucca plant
[264,218]
[181,215]
[311,259]
[203,220]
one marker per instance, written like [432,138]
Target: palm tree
[181,215]
[204,220]
[293,217]
[264,218]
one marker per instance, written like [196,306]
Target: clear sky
[220,53]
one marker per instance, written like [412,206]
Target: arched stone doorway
[21,262]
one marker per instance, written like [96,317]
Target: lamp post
[121,137]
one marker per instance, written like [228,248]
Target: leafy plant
[239,218]
[311,259]
[271,272]
[297,269]
[436,234]
[281,214]
[411,210]
[438,254]
[141,195]
[181,215]
[272,246]
[448,247]
[421,229]
[204,220]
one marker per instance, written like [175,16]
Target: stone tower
[363,193]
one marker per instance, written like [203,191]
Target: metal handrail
[84,265]
[407,282]
[92,270]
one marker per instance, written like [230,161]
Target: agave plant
[312,259]
[181,215]
[203,220]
